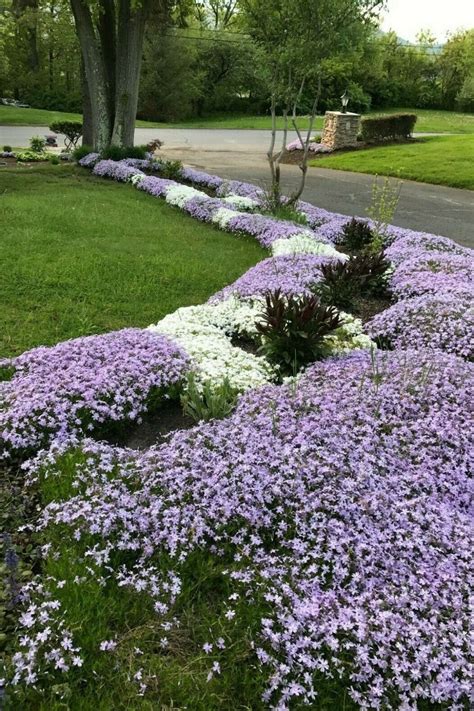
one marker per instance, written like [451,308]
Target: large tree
[111,36]
[295,39]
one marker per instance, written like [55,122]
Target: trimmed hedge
[393,126]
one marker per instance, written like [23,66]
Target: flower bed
[334,508]
[346,535]
[80,384]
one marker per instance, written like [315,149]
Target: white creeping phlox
[304,243]
[243,203]
[179,194]
[222,216]
[137,178]
[195,329]
[349,336]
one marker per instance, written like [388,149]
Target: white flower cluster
[137,178]
[222,216]
[179,194]
[204,332]
[241,202]
[349,336]
[305,243]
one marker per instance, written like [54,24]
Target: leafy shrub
[293,329]
[381,128]
[7,149]
[81,152]
[30,156]
[357,234]
[121,152]
[170,169]
[71,129]
[37,144]
[363,275]
[54,160]
[208,402]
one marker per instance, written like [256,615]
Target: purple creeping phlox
[292,274]
[433,272]
[420,245]
[78,384]
[444,321]
[343,505]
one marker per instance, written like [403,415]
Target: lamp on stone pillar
[345,101]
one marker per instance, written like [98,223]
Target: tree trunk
[131,29]
[95,75]
[87,127]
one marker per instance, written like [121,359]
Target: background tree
[111,35]
[295,39]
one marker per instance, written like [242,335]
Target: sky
[407,17]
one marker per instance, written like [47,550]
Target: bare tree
[295,38]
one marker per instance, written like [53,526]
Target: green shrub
[121,152]
[81,151]
[292,329]
[7,149]
[344,282]
[37,144]
[393,126]
[54,160]
[170,169]
[357,234]
[30,156]
[71,129]
[208,402]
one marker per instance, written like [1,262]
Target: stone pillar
[340,130]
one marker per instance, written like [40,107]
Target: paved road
[241,155]
[195,139]
[428,208]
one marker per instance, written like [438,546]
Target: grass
[428,121]
[82,255]
[12,116]
[441,160]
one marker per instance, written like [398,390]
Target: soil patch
[154,429]
[246,344]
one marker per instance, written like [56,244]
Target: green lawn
[82,255]
[11,116]
[428,121]
[442,160]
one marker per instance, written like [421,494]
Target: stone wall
[340,130]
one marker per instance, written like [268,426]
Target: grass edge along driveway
[439,160]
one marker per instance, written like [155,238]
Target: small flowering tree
[294,39]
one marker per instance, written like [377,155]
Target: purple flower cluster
[76,385]
[155,186]
[332,230]
[203,208]
[267,229]
[316,216]
[433,272]
[444,321]
[291,273]
[117,170]
[433,281]
[417,244]
[236,187]
[313,147]
[89,160]
[344,508]
[198,177]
